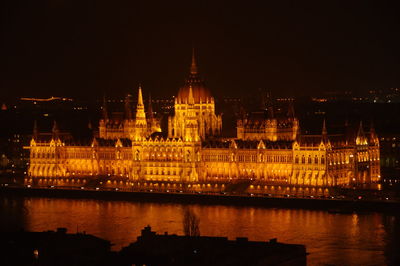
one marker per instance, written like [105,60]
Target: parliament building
[268,154]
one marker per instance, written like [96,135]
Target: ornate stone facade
[268,152]
[270,128]
[138,128]
[195,103]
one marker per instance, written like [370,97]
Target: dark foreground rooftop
[52,248]
[153,249]
[60,248]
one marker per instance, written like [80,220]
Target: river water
[331,239]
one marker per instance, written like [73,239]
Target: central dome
[199,90]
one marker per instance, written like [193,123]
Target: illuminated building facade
[268,153]
[194,107]
[269,128]
[129,128]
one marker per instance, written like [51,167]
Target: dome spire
[193,67]
[199,90]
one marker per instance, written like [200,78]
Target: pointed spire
[270,110]
[140,114]
[348,132]
[191,98]
[193,67]
[372,128]
[150,108]
[35,130]
[372,134]
[360,139]
[94,142]
[290,112]
[324,131]
[267,103]
[104,107]
[140,96]
[360,132]
[128,111]
[55,130]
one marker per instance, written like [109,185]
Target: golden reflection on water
[353,239]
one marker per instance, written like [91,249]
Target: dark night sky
[82,48]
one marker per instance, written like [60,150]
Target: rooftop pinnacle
[140,97]
[193,67]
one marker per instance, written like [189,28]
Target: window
[188,156]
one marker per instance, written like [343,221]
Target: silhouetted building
[53,248]
[153,249]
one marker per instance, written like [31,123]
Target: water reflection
[391,225]
[13,213]
[338,239]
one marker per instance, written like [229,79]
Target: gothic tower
[140,122]
[194,102]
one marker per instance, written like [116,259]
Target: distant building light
[319,100]
[36,254]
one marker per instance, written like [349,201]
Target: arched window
[303,159]
[322,159]
[316,159]
[296,160]
[309,159]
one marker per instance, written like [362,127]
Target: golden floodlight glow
[268,152]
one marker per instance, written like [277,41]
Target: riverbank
[331,205]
